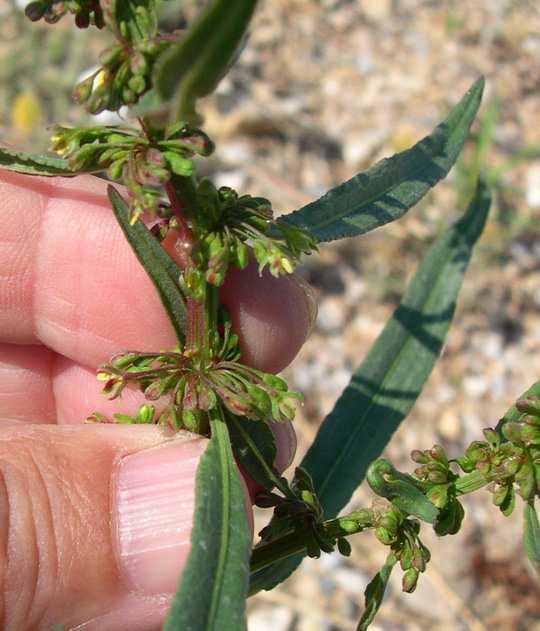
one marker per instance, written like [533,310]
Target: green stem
[265,554]
[470,482]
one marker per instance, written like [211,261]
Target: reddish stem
[185,237]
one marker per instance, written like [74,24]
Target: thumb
[95,524]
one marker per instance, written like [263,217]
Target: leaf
[400,489]
[196,63]
[386,385]
[160,267]
[374,593]
[531,536]
[254,445]
[386,191]
[212,590]
[34,164]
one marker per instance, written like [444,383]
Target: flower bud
[344,547]
[207,399]
[410,581]
[97,103]
[384,536]
[115,169]
[139,64]
[155,390]
[96,417]
[419,456]
[111,55]
[137,85]
[492,437]
[82,19]
[54,12]
[35,11]
[145,413]
[438,454]
[179,164]
[83,90]
[500,494]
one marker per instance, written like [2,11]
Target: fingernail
[153,504]
[311,303]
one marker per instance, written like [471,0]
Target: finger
[77,395]
[26,385]
[95,524]
[39,387]
[272,316]
[71,282]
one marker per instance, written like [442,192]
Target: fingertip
[272,316]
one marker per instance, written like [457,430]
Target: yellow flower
[26,111]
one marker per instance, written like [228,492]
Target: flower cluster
[195,387]
[301,513]
[228,224]
[145,415]
[145,165]
[86,12]
[435,470]
[126,65]
[123,77]
[511,458]
[400,533]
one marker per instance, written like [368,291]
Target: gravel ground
[324,89]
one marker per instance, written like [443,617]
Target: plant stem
[470,482]
[182,200]
[267,553]
[291,543]
[195,327]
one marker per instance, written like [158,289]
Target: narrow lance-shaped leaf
[254,446]
[375,591]
[195,65]
[531,536]
[160,267]
[34,164]
[386,191]
[386,385]
[212,590]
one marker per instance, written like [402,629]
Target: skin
[71,294]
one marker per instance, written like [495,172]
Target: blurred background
[323,90]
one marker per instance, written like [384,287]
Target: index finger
[71,282]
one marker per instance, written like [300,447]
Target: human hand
[95,519]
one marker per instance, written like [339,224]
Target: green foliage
[212,591]
[161,268]
[161,77]
[531,536]
[386,191]
[375,593]
[32,164]
[193,67]
[387,383]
